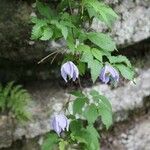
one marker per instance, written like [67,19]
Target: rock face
[48,99]
[15,28]
[134,23]
[132,135]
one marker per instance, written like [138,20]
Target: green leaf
[102,40]
[75,126]
[78,94]
[62,27]
[70,42]
[64,30]
[83,48]
[47,34]
[87,57]
[95,67]
[78,105]
[101,99]
[50,141]
[62,145]
[37,29]
[91,113]
[126,72]
[101,11]
[82,68]
[97,54]
[44,10]
[119,59]
[106,115]
[94,143]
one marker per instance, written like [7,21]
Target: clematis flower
[60,123]
[109,74]
[69,69]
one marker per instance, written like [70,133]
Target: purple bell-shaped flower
[109,74]
[60,123]
[69,69]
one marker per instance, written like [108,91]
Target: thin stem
[47,57]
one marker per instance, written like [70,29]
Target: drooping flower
[59,123]
[69,69]
[109,74]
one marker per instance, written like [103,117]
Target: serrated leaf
[91,113]
[126,72]
[83,48]
[102,40]
[50,141]
[47,34]
[97,54]
[119,59]
[44,10]
[64,31]
[37,29]
[106,115]
[95,67]
[87,57]
[94,138]
[101,11]
[101,99]
[78,105]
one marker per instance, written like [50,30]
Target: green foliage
[90,50]
[102,40]
[15,99]
[100,11]
[50,141]
[126,71]
[91,111]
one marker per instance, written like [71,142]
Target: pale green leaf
[119,59]
[95,67]
[78,105]
[62,145]
[102,40]
[97,54]
[91,113]
[106,115]
[126,72]
[50,141]
[47,34]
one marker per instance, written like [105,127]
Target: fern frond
[15,99]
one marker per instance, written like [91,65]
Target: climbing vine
[85,50]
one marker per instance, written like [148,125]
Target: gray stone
[133,25]
[48,99]
[15,31]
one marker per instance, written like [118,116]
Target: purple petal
[70,69]
[63,74]
[75,73]
[103,76]
[55,125]
[62,121]
[107,73]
